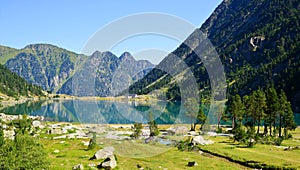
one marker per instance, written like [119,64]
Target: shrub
[25,152]
[93,142]
[137,130]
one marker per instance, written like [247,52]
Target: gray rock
[104,153]
[145,133]
[212,133]
[36,123]
[60,137]
[57,131]
[56,151]
[109,163]
[150,139]
[193,133]
[78,167]
[10,134]
[199,140]
[92,165]
[193,163]
[177,130]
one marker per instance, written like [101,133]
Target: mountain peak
[126,56]
[96,53]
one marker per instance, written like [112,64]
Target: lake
[102,111]
[108,112]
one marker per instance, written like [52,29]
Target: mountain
[44,65]
[104,74]
[14,86]
[258,42]
[61,71]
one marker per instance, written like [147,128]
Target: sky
[71,24]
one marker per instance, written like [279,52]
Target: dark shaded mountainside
[258,42]
[54,68]
[14,86]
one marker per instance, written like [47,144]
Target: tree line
[13,85]
[265,109]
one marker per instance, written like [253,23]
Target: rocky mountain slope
[55,69]
[258,42]
[104,74]
[44,65]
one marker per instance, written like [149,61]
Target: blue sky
[70,24]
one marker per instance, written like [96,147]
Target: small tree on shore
[93,142]
[192,109]
[137,130]
[152,125]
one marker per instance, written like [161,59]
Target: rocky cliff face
[44,65]
[104,74]
[61,71]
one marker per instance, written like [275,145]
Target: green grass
[8,54]
[259,154]
[156,156]
[72,152]
[174,159]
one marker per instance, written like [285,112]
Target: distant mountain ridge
[53,68]
[104,74]
[44,65]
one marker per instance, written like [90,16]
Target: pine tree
[235,110]
[152,125]
[261,106]
[192,108]
[287,120]
[272,108]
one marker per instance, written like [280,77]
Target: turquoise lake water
[108,112]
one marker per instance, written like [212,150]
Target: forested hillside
[13,85]
[258,42]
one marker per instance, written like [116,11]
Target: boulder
[92,165]
[78,167]
[150,139]
[199,140]
[145,133]
[60,137]
[212,133]
[104,153]
[10,134]
[191,164]
[56,151]
[109,163]
[193,133]
[57,131]
[36,123]
[177,130]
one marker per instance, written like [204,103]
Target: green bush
[137,130]
[93,142]
[25,152]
